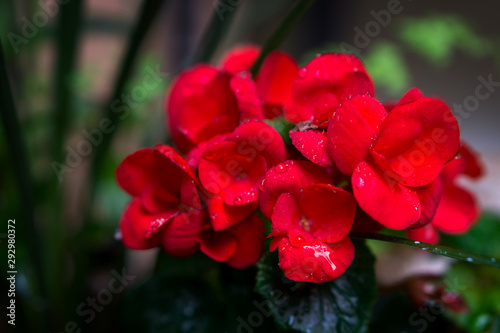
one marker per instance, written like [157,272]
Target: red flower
[325,81]
[270,95]
[311,219]
[232,170]
[239,246]
[458,209]
[166,209]
[206,101]
[200,106]
[394,158]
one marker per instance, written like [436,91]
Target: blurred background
[73,64]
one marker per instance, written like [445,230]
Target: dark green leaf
[479,287]
[343,305]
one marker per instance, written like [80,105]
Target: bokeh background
[67,71]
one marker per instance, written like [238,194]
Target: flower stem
[281,33]
[436,249]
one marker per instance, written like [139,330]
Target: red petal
[249,103]
[429,196]
[385,200]
[353,130]
[288,177]
[457,210]
[322,77]
[223,169]
[240,58]
[312,144]
[181,233]
[250,237]
[219,246]
[276,78]
[315,261]
[426,234]
[136,171]
[254,138]
[286,215]
[201,88]
[329,212]
[156,199]
[223,215]
[432,138]
[466,162]
[410,96]
[141,230]
[165,156]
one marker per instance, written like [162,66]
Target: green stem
[219,25]
[149,10]
[436,249]
[20,164]
[281,33]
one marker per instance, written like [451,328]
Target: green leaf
[488,227]
[343,305]
[479,287]
[436,37]
[283,127]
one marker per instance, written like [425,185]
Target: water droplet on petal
[237,200]
[281,168]
[118,235]
[261,186]
[317,74]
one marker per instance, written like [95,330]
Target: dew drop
[281,168]
[303,73]
[317,74]
[470,260]
[237,200]
[493,259]
[261,186]
[424,249]
[417,242]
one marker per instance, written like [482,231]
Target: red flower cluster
[353,162]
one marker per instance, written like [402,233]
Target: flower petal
[275,81]
[353,130]
[249,103]
[313,145]
[201,88]
[321,78]
[180,237]
[432,138]
[457,210]
[136,171]
[250,237]
[141,230]
[239,58]
[288,177]
[255,137]
[329,212]
[219,246]
[224,216]
[385,200]
[315,261]
[425,234]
